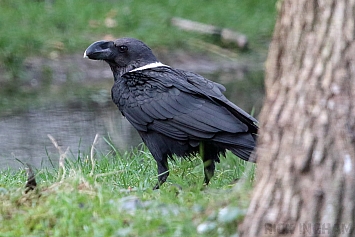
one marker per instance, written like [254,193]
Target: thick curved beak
[100,50]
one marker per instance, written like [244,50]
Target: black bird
[175,111]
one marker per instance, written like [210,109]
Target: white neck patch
[148,66]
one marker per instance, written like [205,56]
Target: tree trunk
[306,149]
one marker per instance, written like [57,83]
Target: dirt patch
[60,69]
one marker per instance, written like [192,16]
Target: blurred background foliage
[48,27]
[39,27]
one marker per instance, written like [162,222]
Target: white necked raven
[175,111]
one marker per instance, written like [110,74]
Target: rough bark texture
[306,153]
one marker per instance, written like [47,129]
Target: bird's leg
[208,163]
[209,168]
[163,173]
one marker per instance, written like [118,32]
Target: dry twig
[62,156]
[92,154]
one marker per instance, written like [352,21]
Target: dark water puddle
[24,136]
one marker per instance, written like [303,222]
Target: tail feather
[241,144]
[242,153]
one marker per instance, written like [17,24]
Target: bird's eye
[122,48]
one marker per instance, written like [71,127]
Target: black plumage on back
[174,111]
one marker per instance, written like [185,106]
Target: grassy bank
[41,27]
[115,199]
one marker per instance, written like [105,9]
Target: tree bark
[306,149]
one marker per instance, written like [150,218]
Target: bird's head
[122,55]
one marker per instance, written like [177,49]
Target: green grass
[34,27]
[117,199]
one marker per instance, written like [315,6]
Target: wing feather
[183,106]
